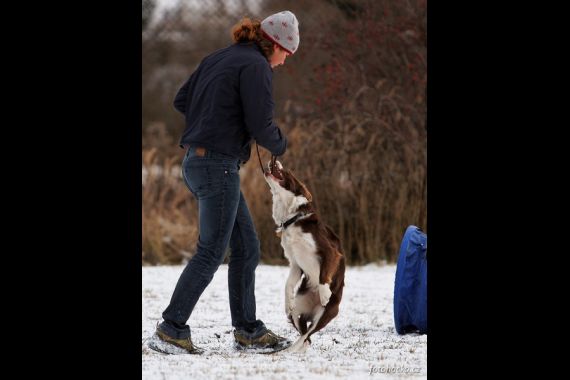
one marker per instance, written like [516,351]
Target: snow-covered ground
[360,342]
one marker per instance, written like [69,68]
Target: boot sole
[262,350]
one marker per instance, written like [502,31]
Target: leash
[259,157]
[273,159]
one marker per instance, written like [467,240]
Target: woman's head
[277,35]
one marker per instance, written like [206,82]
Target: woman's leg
[244,257]
[216,186]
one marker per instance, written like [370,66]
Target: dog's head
[288,192]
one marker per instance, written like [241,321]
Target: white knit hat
[283,29]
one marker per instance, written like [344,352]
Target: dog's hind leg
[296,319]
[303,343]
[303,307]
[330,312]
[299,322]
[295,274]
[304,347]
[300,347]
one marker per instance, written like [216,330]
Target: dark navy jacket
[228,101]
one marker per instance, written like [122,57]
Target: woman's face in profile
[278,57]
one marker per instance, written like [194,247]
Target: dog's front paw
[324,293]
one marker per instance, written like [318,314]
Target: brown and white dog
[316,279]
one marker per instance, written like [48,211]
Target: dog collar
[288,222]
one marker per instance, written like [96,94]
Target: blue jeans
[223,219]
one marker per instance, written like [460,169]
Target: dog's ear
[306,192]
[300,187]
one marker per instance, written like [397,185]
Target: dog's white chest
[297,244]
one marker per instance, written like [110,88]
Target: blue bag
[410,285]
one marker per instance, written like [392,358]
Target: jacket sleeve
[181,100]
[257,101]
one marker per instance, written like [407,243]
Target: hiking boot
[260,339]
[165,341]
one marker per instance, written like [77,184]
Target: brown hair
[250,30]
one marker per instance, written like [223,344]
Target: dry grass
[366,171]
[168,214]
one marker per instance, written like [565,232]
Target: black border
[78,286]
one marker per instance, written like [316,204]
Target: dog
[317,263]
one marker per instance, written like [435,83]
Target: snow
[359,343]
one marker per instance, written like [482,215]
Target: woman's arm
[257,100]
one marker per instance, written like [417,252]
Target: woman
[228,102]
